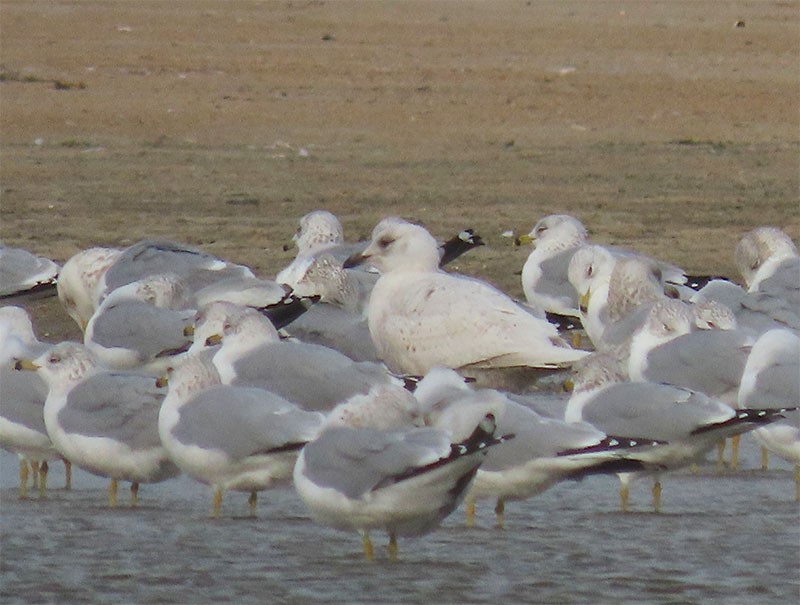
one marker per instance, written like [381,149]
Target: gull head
[63,365]
[760,245]
[318,229]
[398,245]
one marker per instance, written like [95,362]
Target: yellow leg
[134,494]
[251,503]
[23,479]
[720,457]
[797,482]
[624,493]
[764,459]
[657,496]
[469,507]
[500,513]
[392,546]
[67,474]
[35,473]
[369,552]
[735,451]
[217,503]
[112,493]
[43,469]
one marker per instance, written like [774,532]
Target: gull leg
[67,474]
[469,507]
[720,456]
[797,482]
[216,503]
[392,546]
[369,552]
[23,479]
[134,494]
[43,469]
[735,451]
[624,494]
[500,513]
[35,473]
[657,496]
[764,459]
[112,493]
[251,503]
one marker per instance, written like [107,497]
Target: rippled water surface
[733,538]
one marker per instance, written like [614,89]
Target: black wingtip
[459,244]
[287,309]
[747,416]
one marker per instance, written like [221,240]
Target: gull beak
[26,364]
[523,240]
[355,260]
[188,331]
[583,303]
[213,340]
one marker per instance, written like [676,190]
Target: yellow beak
[584,301]
[523,240]
[26,364]
[213,340]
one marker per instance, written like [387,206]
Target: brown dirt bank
[661,125]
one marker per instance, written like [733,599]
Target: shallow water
[731,538]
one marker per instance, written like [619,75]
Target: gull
[22,272]
[420,317]
[398,478]
[544,451]
[669,350]
[545,279]
[231,438]
[142,324]
[311,376]
[612,292]
[686,423]
[772,378]
[78,282]
[761,252]
[770,265]
[103,421]
[22,397]
[146,258]
[754,312]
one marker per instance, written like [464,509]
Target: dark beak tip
[353,261]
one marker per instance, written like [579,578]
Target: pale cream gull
[421,317]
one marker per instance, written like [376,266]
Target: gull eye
[589,271]
[385,241]
[54,359]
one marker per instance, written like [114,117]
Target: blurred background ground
[671,127]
